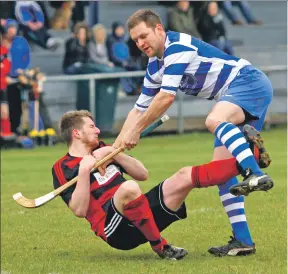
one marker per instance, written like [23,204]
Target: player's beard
[90,140]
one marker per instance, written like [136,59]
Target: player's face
[150,41]
[89,133]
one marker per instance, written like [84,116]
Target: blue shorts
[252,91]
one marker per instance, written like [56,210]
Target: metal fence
[101,76]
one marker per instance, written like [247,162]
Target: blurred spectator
[76,58]
[5,65]
[45,13]
[137,55]
[227,7]
[62,16]
[30,16]
[118,49]
[181,19]
[212,29]
[10,27]
[98,50]
[199,7]
[119,54]
[76,53]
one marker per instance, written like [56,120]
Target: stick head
[16,196]
[21,200]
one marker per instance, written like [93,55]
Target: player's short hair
[72,120]
[149,17]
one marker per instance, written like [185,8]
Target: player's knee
[130,190]
[211,123]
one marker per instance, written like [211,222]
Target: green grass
[51,240]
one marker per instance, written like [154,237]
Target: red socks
[5,126]
[139,213]
[214,173]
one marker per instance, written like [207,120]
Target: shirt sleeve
[177,57]
[150,87]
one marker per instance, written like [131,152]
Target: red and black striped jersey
[102,188]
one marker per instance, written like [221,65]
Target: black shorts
[122,234]
[3,96]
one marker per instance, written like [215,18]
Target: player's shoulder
[177,42]
[66,162]
[174,37]
[60,160]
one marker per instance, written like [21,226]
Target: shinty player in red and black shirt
[116,208]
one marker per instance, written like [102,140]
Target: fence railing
[101,76]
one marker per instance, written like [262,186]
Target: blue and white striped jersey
[191,66]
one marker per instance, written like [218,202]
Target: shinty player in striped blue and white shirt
[181,63]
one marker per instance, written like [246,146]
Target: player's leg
[178,186]
[133,204]
[241,243]
[234,208]
[252,135]
[247,98]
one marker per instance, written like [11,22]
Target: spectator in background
[5,65]
[45,14]
[76,50]
[212,29]
[119,54]
[98,53]
[118,49]
[137,56]
[227,7]
[76,58]
[31,18]
[181,19]
[10,28]
[62,15]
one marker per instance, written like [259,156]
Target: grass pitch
[51,240]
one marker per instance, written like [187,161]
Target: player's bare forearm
[133,167]
[159,105]
[80,199]
[131,119]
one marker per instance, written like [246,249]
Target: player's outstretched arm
[131,119]
[161,102]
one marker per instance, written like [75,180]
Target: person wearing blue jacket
[31,19]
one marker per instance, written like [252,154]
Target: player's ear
[75,133]
[159,28]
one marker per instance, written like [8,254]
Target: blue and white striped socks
[233,139]
[234,207]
